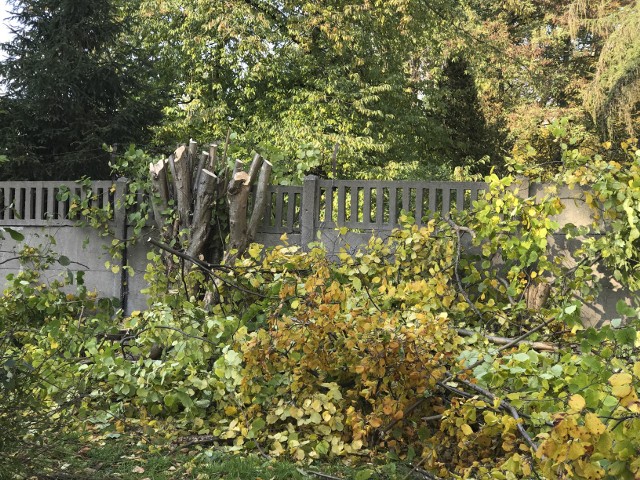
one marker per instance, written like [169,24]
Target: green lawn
[127,457]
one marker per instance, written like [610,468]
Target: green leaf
[14,234]
[556,370]
[521,357]
[258,424]
[363,474]
[625,336]
[623,309]
[64,261]
[322,447]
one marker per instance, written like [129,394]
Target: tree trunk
[195,184]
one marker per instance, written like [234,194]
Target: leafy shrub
[44,334]
[424,347]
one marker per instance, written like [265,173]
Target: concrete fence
[312,212]
[316,210]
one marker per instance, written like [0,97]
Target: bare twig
[458,229]
[406,412]
[206,268]
[515,341]
[166,327]
[425,474]
[186,442]
[307,473]
[505,406]
[544,346]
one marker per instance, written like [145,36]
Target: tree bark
[194,184]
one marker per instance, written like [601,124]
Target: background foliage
[389,89]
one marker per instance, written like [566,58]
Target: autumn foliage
[385,354]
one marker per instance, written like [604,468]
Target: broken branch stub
[259,201]
[183,186]
[205,193]
[241,231]
[160,192]
[188,180]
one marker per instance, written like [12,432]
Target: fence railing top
[37,203]
[400,183]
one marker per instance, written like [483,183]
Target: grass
[128,458]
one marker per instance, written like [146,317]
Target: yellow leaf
[315,418]
[630,399]
[466,429]
[621,391]
[576,450]
[593,424]
[636,369]
[619,379]
[316,405]
[490,418]
[276,449]
[576,403]
[375,422]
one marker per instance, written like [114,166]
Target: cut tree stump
[193,183]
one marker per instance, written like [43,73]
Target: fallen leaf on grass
[138,469]
[84,450]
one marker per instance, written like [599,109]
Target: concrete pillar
[310,199]
[120,230]
[523,185]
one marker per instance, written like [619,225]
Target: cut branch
[201,224]
[254,169]
[160,192]
[259,201]
[458,229]
[505,406]
[541,346]
[183,185]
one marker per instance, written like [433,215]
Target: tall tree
[535,62]
[613,95]
[72,81]
[300,77]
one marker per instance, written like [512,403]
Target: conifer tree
[71,82]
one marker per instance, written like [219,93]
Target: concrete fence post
[310,199]
[120,230]
[523,185]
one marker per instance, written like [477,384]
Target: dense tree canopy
[315,74]
[394,89]
[72,81]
